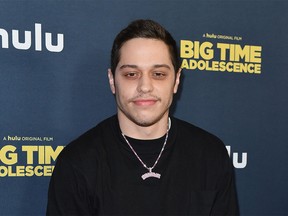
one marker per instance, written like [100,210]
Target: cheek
[122,93]
[166,94]
[125,88]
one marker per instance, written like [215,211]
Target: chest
[180,190]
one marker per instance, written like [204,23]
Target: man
[141,161]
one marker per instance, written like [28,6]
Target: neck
[134,130]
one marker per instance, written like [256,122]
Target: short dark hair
[144,29]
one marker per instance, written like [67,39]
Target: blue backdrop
[54,57]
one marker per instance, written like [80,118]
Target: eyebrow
[135,66]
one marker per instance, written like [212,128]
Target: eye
[159,75]
[131,74]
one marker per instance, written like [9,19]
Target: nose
[145,84]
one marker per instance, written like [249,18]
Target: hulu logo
[26,44]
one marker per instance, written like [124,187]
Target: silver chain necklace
[150,173]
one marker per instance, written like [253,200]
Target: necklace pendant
[151,174]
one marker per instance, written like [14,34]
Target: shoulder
[204,149]
[89,144]
[198,138]
[190,130]
[79,163]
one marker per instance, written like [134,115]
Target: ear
[177,80]
[111,81]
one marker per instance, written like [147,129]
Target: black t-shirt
[98,174]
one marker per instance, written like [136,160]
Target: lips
[145,102]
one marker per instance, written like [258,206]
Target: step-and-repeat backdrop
[54,57]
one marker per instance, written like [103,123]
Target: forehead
[144,51]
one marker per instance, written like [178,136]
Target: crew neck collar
[145,146]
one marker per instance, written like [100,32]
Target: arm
[226,202]
[67,193]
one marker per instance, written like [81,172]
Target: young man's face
[144,81]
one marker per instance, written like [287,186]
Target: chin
[146,122]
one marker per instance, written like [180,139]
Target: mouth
[145,102]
